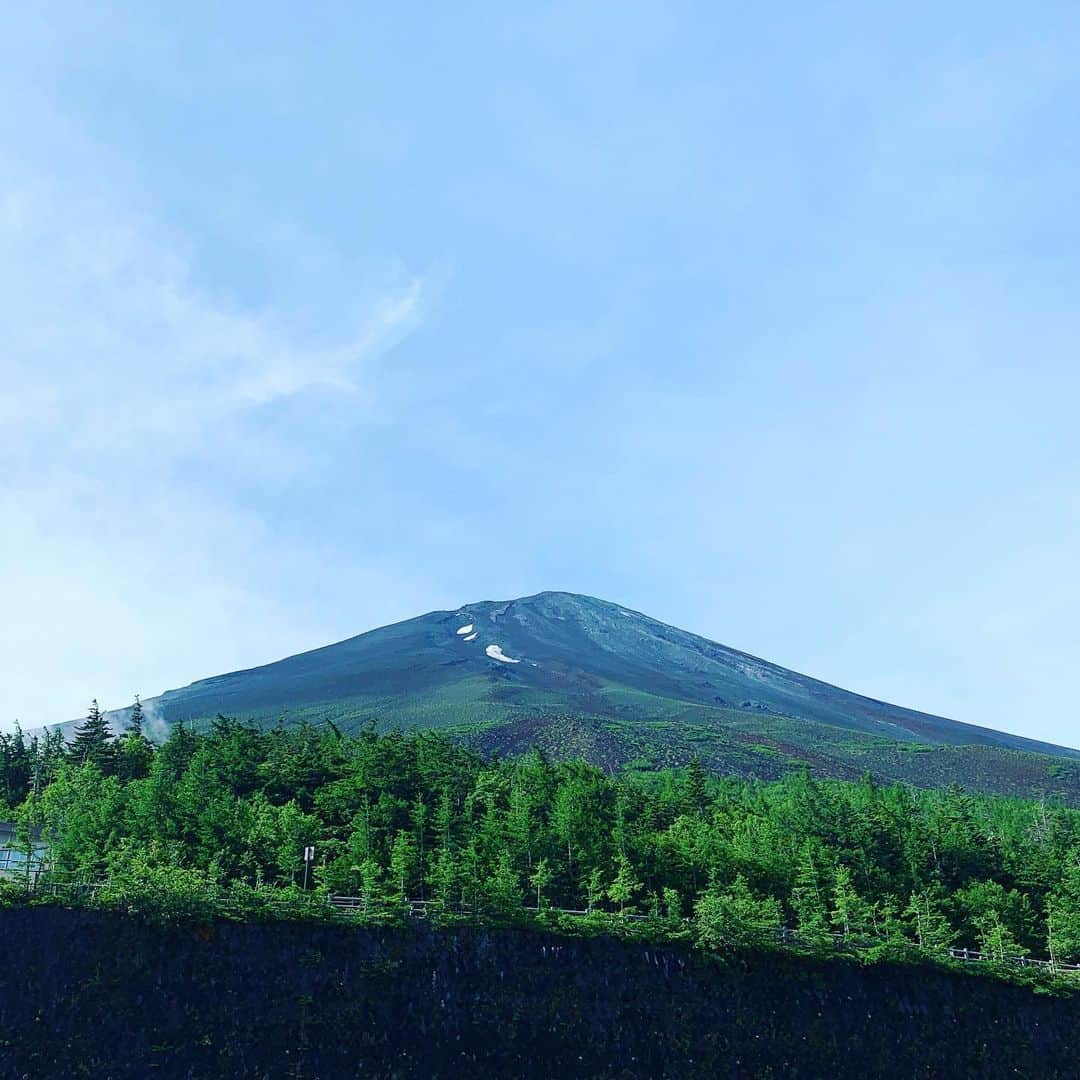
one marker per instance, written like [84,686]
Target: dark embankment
[95,994]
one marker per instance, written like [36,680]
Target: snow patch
[472,637]
[466,629]
[496,653]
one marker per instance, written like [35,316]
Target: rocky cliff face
[94,994]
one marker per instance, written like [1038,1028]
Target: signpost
[309,858]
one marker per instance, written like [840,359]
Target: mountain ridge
[577,674]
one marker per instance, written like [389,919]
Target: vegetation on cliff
[903,873]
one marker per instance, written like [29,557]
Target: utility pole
[309,858]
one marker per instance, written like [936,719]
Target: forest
[392,817]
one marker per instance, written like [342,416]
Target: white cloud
[109,342]
[127,391]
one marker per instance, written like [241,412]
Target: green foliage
[93,740]
[12,893]
[403,863]
[151,882]
[17,767]
[891,942]
[1063,930]
[987,910]
[808,902]
[851,915]
[504,886]
[931,927]
[624,888]
[218,820]
[734,918]
[996,939]
[540,879]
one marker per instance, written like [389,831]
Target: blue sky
[759,318]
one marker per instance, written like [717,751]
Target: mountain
[576,675]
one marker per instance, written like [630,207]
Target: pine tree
[996,939]
[566,817]
[16,768]
[540,880]
[444,817]
[933,931]
[135,722]
[445,877]
[696,791]
[892,942]
[403,863]
[624,888]
[1063,930]
[673,906]
[93,740]
[519,822]
[133,752]
[851,915]
[504,886]
[595,890]
[372,893]
[809,904]
[418,812]
[733,918]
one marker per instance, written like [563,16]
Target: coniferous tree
[932,929]
[16,767]
[733,918]
[996,939]
[624,888]
[851,915]
[445,878]
[372,891]
[540,879]
[504,885]
[93,740]
[52,752]
[402,863]
[1063,929]
[418,812]
[808,903]
[135,722]
[595,890]
[696,790]
[891,941]
[520,822]
[133,752]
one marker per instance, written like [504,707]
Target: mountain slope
[580,675]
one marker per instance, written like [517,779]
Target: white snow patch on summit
[496,653]
[465,629]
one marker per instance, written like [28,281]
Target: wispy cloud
[110,343]
[129,389]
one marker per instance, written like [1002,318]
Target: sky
[759,318]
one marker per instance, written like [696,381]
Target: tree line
[395,817]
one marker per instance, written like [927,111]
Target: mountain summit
[574,674]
